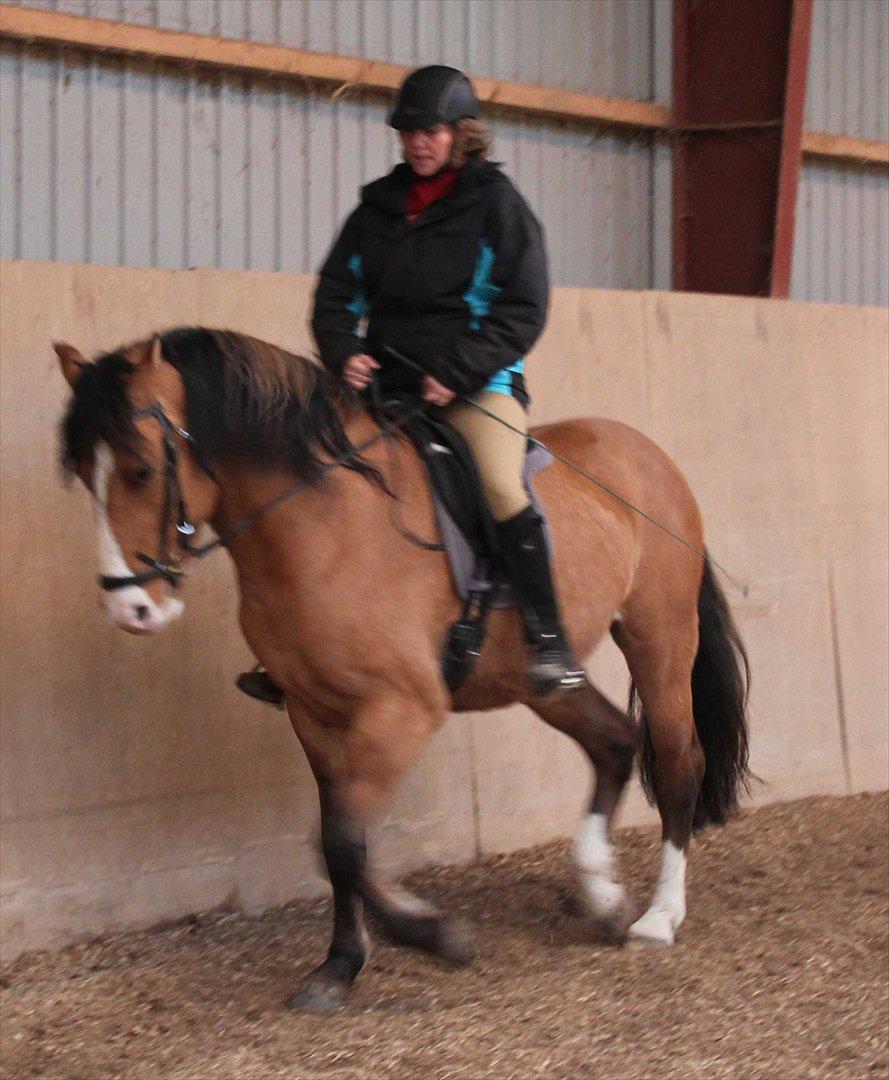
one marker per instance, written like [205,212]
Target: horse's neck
[334,562]
[342,512]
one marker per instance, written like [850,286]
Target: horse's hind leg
[660,662]
[608,737]
[410,920]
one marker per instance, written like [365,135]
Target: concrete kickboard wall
[139,785]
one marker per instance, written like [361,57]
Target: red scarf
[426,189]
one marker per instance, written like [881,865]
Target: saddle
[468,535]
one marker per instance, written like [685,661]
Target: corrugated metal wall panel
[144,163]
[597,45]
[10,148]
[841,250]
[848,88]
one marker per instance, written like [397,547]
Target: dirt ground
[780,971]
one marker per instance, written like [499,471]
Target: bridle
[168,565]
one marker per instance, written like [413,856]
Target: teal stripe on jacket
[359,305]
[479,295]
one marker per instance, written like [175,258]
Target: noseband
[167,565]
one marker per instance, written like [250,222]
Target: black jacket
[463,290]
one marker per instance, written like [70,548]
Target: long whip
[742,588]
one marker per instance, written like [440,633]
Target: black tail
[720,682]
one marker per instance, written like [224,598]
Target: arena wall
[138,785]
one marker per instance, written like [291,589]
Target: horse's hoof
[318,995]
[609,908]
[613,928]
[655,929]
[456,942]
[612,931]
[639,942]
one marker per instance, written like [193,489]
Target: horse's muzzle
[133,610]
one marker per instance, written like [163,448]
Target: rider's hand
[436,393]
[358,370]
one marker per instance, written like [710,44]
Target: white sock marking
[595,860]
[667,909]
[121,604]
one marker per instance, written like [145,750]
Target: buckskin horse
[348,615]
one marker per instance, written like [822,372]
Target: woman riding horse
[446,262]
[199,425]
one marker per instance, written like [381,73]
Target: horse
[199,426]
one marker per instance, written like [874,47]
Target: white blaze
[130,607]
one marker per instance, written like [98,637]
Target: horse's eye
[139,477]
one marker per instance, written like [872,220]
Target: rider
[444,261]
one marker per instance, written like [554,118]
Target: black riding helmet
[433,95]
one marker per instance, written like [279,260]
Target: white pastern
[659,924]
[131,608]
[594,856]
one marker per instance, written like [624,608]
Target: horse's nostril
[141,612]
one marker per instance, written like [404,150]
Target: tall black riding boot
[524,553]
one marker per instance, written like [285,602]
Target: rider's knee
[505,499]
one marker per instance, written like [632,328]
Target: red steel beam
[791,146]
[739,86]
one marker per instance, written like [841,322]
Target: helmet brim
[412,120]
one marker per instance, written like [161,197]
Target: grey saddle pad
[471,572]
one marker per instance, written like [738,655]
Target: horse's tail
[720,681]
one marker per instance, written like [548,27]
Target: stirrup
[256,683]
[553,668]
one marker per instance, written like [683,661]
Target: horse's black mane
[248,402]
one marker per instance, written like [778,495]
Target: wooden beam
[350,74]
[347,73]
[846,148]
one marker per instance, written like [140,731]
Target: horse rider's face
[428,149]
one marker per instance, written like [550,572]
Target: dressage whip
[742,588]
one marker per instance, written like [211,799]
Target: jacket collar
[389,193]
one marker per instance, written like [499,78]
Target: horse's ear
[153,356]
[71,361]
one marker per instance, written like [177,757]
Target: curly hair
[472,139]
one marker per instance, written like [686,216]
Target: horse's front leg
[358,761]
[345,855]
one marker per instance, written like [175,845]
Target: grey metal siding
[141,163]
[841,251]
[848,86]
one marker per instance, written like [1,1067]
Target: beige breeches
[498,452]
